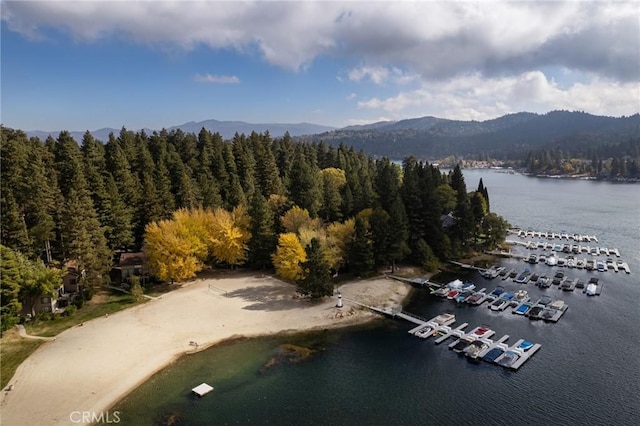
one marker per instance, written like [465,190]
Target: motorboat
[509,358]
[591,289]
[562,262]
[580,263]
[551,261]
[462,296]
[468,286]
[533,259]
[600,266]
[502,302]
[522,278]
[534,278]
[523,308]
[497,291]
[473,351]
[542,258]
[521,296]
[461,345]
[543,282]
[476,298]
[455,284]
[442,292]
[524,346]
[452,294]
[493,354]
[590,265]
[480,332]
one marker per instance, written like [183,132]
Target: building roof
[131,259]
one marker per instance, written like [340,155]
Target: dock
[456,332]
[500,343]
[202,389]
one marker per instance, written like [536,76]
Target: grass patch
[13,351]
[103,303]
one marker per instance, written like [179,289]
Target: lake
[586,373]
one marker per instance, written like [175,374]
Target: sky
[85,65]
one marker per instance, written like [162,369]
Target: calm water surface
[587,372]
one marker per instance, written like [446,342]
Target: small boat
[522,278]
[509,358]
[571,262]
[535,312]
[521,296]
[591,289]
[551,261]
[533,259]
[590,265]
[480,332]
[502,302]
[600,266]
[442,291]
[473,351]
[462,296]
[534,278]
[455,284]
[542,258]
[476,298]
[523,308]
[452,294]
[562,262]
[524,346]
[497,291]
[468,286]
[544,282]
[493,354]
[580,284]
[461,345]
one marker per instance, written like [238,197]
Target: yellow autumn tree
[288,256]
[228,234]
[339,236]
[171,251]
[296,218]
[194,223]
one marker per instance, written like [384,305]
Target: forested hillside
[192,200]
[509,137]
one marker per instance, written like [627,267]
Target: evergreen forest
[191,201]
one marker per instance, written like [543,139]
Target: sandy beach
[88,368]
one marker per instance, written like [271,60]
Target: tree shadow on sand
[269,298]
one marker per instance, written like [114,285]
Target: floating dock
[202,389]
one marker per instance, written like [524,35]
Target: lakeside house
[64,296]
[129,265]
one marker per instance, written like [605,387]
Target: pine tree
[263,239]
[316,281]
[361,254]
[304,188]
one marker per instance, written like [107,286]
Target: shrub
[69,310]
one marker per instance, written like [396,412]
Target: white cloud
[473,97]
[436,40]
[351,96]
[219,79]
[381,75]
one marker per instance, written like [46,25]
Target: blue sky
[85,65]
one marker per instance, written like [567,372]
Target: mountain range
[432,137]
[226,128]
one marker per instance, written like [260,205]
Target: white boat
[562,261]
[591,289]
[551,261]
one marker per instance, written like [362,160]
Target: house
[64,295]
[448,220]
[129,265]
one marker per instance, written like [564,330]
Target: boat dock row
[476,345]
[552,235]
[498,300]
[567,248]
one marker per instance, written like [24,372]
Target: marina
[474,344]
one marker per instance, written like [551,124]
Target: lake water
[586,373]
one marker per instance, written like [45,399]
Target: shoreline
[94,367]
